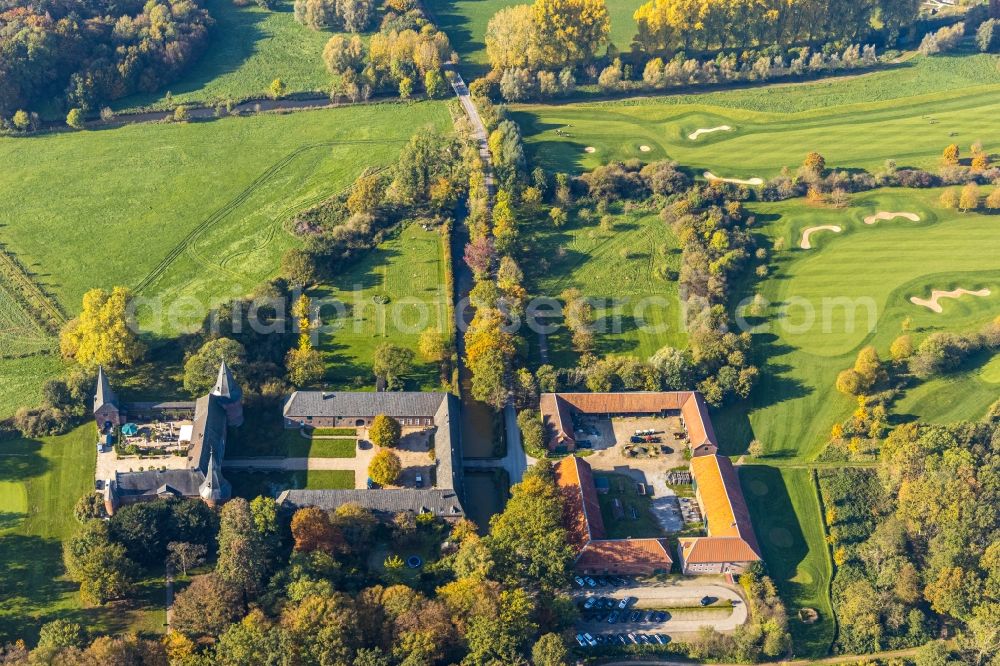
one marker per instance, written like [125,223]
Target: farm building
[347,409]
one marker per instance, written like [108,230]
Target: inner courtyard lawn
[248,49]
[410,271]
[251,484]
[785,510]
[908,114]
[853,289]
[630,271]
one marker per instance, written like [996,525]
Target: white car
[590,640]
[576,579]
[579,639]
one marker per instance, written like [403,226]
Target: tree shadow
[22,459]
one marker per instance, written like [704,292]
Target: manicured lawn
[853,289]
[249,48]
[465,23]
[23,379]
[908,114]
[622,488]
[250,484]
[263,434]
[333,432]
[411,271]
[40,481]
[785,511]
[323,448]
[624,270]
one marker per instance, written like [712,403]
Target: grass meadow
[40,482]
[248,49]
[465,23]
[908,113]
[180,211]
[410,269]
[853,289]
[785,510]
[629,264]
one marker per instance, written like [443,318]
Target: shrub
[532,433]
[75,118]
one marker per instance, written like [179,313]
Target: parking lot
[626,609]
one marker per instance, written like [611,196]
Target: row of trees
[346,15]
[85,53]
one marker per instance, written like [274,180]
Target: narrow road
[169,576]
[827,661]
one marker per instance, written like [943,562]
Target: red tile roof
[583,519]
[556,411]
[712,550]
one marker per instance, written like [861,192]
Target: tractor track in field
[222,212]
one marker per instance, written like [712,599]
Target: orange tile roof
[582,510]
[625,551]
[710,550]
[555,409]
[722,498]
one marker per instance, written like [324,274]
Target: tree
[181,114]
[557,216]
[849,382]
[869,367]
[98,564]
[532,433]
[391,363]
[60,634]
[434,84]
[949,199]
[512,39]
[432,345]
[21,120]
[277,89]
[253,640]
[305,366]
[480,255]
[298,266]
[951,154]
[366,194]
[89,506]
[242,561]
[405,87]
[756,448]
[814,164]
[385,431]
[901,348]
[549,650]
[570,31]
[75,118]
[988,36]
[206,607]
[312,530]
[993,199]
[201,369]
[104,333]
[185,556]
[969,199]
[384,468]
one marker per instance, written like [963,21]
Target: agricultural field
[465,23]
[853,289]
[183,212]
[40,482]
[409,271]
[785,510]
[907,113]
[249,48]
[626,270]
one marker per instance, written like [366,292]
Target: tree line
[82,54]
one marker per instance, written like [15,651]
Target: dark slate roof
[226,386]
[104,394]
[362,403]
[215,488]
[443,503]
[159,406]
[154,482]
[208,432]
[447,452]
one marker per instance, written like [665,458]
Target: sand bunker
[872,219]
[645,149]
[590,149]
[698,132]
[932,302]
[749,181]
[806,245]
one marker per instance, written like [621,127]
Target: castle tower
[106,409]
[231,395]
[214,490]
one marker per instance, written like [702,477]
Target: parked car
[631,637]
[634,617]
[579,581]
[418,481]
[371,484]
[705,601]
[663,638]
[623,639]
[590,582]
[623,604]
[589,603]
[643,639]
[579,639]
[613,617]
[651,616]
[590,640]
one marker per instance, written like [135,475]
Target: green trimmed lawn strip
[785,511]
[253,483]
[322,448]
[333,432]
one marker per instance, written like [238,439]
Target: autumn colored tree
[206,607]
[969,199]
[570,31]
[277,89]
[103,333]
[432,345]
[951,154]
[313,530]
[479,256]
[366,194]
[75,118]
[384,467]
[949,199]
[814,163]
[901,348]
[849,382]
[993,199]
[512,38]
[385,431]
